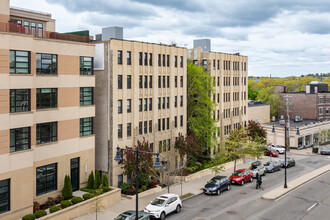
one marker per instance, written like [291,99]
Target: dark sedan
[325,151]
[216,185]
[290,162]
[272,166]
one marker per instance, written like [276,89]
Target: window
[168,123]
[164,82]
[140,128]
[46,178]
[168,60]
[120,180]
[150,59]
[163,59]
[181,101]
[175,101]
[40,29]
[321,110]
[163,125]
[152,147]
[218,98]
[218,82]
[168,82]
[175,61]
[86,66]
[129,82]
[175,81]
[120,81]
[159,59]
[181,61]
[160,143]
[86,126]
[129,129]
[168,102]
[20,139]
[145,82]
[146,59]
[27,26]
[140,105]
[145,104]
[150,104]
[175,121]
[327,100]
[20,100]
[169,148]
[159,103]
[218,65]
[205,64]
[86,96]
[129,109]
[150,126]
[181,81]
[46,63]
[159,82]
[46,132]
[145,128]
[129,60]
[150,82]
[47,98]
[20,62]
[159,125]
[163,102]
[120,131]
[4,195]
[140,58]
[320,100]
[181,120]
[140,82]
[120,106]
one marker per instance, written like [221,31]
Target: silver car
[258,169]
[130,215]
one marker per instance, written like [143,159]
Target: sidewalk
[194,186]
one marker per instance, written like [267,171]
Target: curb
[190,197]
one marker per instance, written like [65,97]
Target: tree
[218,160]
[256,147]
[268,95]
[252,94]
[255,131]
[104,181]
[90,182]
[97,181]
[67,188]
[200,107]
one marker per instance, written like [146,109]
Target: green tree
[97,180]
[90,182]
[268,95]
[218,160]
[104,181]
[200,107]
[252,94]
[67,188]
[256,147]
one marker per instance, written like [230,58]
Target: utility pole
[287,138]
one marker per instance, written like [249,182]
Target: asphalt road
[244,202]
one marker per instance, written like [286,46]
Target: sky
[280,37]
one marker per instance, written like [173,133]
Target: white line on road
[311,207]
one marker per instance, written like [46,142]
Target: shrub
[76,200]
[153,184]
[40,213]
[125,187]
[87,196]
[54,209]
[29,217]
[144,187]
[50,201]
[106,189]
[90,182]
[67,188]
[65,204]
[59,199]
[88,190]
[36,206]
[140,190]
[131,191]
[104,181]
[97,181]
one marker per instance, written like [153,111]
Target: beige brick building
[46,110]
[141,93]
[259,112]
[229,72]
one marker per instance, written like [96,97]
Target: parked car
[216,185]
[260,170]
[279,149]
[325,150]
[163,205]
[290,162]
[130,215]
[271,152]
[241,176]
[272,166]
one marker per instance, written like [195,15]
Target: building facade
[140,93]
[230,73]
[46,110]
[258,111]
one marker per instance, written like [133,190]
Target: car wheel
[242,183]
[228,187]
[251,179]
[218,192]
[162,216]
[178,209]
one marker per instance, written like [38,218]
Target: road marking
[311,207]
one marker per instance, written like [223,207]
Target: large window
[46,179]
[46,132]
[129,109]
[20,100]
[20,62]
[120,81]
[46,98]
[120,56]
[129,81]
[129,129]
[129,58]
[4,195]
[86,96]
[46,63]
[20,139]
[86,126]
[120,106]
[120,131]
[86,66]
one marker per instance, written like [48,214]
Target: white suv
[163,205]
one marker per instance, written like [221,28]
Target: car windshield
[212,182]
[268,163]
[121,217]
[253,168]
[158,202]
[236,173]
[326,148]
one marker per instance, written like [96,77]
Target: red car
[271,152]
[241,176]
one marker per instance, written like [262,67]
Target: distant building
[258,111]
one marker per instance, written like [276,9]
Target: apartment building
[230,73]
[46,110]
[140,93]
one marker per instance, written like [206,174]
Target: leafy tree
[252,94]
[67,188]
[256,147]
[255,131]
[97,180]
[187,146]
[218,160]
[90,182]
[200,107]
[104,181]
[268,95]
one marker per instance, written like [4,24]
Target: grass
[186,196]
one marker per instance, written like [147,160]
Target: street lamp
[157,164]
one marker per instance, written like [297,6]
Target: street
[244,202]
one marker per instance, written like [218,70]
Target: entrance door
[75,174]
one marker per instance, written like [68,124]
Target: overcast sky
[280,37]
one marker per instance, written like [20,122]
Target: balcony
[13,27]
